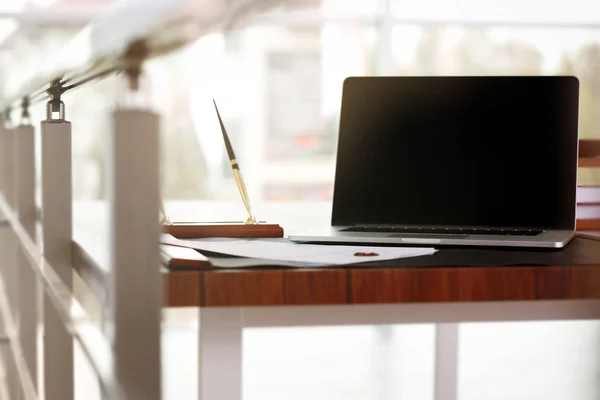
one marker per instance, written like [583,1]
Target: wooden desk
[244,288]
[231,300]
[451,275]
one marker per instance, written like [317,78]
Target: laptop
[466,161]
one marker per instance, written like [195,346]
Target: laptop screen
[458,151]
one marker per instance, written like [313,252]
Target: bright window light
[43,3]
[8,26]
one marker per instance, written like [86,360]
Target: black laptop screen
[466,151]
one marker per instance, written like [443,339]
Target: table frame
[220,332]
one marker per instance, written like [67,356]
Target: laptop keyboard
[442,231]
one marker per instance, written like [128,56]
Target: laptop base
[551,239]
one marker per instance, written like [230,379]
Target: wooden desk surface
[379,285]
[572,273]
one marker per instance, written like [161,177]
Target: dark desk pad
[579,251]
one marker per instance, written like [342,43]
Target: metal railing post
[8,244]
[135,279]
[24,151]
[57,244]
[10,279]
[9,162]
[6,146]
[28,289]
[2,158]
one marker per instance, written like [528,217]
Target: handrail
[95,346]
[90,272]
[101,47]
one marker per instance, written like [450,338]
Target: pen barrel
[239,180]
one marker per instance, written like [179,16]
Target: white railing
[36,289]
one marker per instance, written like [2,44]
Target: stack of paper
[283,251]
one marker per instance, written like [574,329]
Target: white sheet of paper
[287,251]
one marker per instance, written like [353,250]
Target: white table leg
[383,357]
[220,354]
[446,362]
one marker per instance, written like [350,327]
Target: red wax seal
[365,254]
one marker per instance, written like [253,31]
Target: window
[278,90]
[278,81]
[279,85]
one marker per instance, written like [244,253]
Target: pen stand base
[234,230]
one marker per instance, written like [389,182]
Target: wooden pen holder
[223,229]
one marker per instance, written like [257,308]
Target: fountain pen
[239,180]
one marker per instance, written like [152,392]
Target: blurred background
[278,82]
[278,85]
